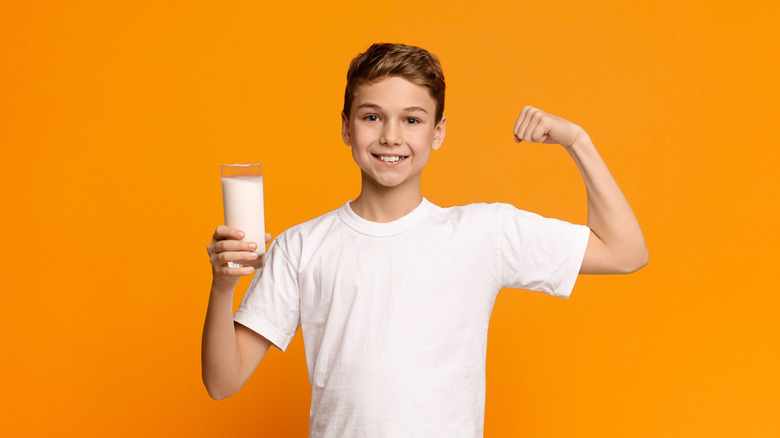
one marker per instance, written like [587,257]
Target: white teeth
[390,159]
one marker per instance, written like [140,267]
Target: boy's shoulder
[315,225]
[489,218]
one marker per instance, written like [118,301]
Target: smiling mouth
[391,158]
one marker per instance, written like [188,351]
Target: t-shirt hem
[577,256]
[279,338]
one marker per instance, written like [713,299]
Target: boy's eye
[371,118]
[412,121]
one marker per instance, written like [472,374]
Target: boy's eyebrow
[369,105]
[377,107]
[416,108]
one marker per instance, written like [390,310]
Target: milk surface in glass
[242,197]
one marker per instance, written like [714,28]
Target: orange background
[115,117]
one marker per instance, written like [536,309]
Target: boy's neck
[381,204]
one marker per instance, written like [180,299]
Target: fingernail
[252,246]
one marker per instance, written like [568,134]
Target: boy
[393,294]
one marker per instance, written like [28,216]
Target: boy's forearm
[619,243]
[220,354]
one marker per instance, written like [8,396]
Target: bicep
[597,259]
[602,259]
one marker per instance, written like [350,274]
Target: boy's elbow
[637,260]
[218,392]
[217,396]
[645,259]
[637,265]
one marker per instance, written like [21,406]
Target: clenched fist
[536,126]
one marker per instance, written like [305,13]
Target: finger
[519,121]
[268,238]
[228,271]
[233,245]
[539,128]
[528,128]
[245,270]
[224,232]
[223,258]
[221,232]
[540,133]
[525,118]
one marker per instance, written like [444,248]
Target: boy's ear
[439,133]
[345,130]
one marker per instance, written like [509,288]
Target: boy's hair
[409,62]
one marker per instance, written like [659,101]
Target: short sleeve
[539,253]
[270,305]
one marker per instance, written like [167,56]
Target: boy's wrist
[581,141]
[220,289]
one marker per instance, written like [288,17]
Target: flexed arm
[616,244]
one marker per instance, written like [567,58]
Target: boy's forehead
[392,91]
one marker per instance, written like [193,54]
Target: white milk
[242,198]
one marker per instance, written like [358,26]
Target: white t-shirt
[395,315]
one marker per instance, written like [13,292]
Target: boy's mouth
[391,158]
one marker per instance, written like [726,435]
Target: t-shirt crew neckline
[398,226]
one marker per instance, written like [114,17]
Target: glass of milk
[242,198]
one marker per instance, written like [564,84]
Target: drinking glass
[242,198]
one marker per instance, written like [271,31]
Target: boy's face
[392,130]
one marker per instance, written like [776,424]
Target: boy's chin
[389,182]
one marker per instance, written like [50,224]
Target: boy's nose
[390,135]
